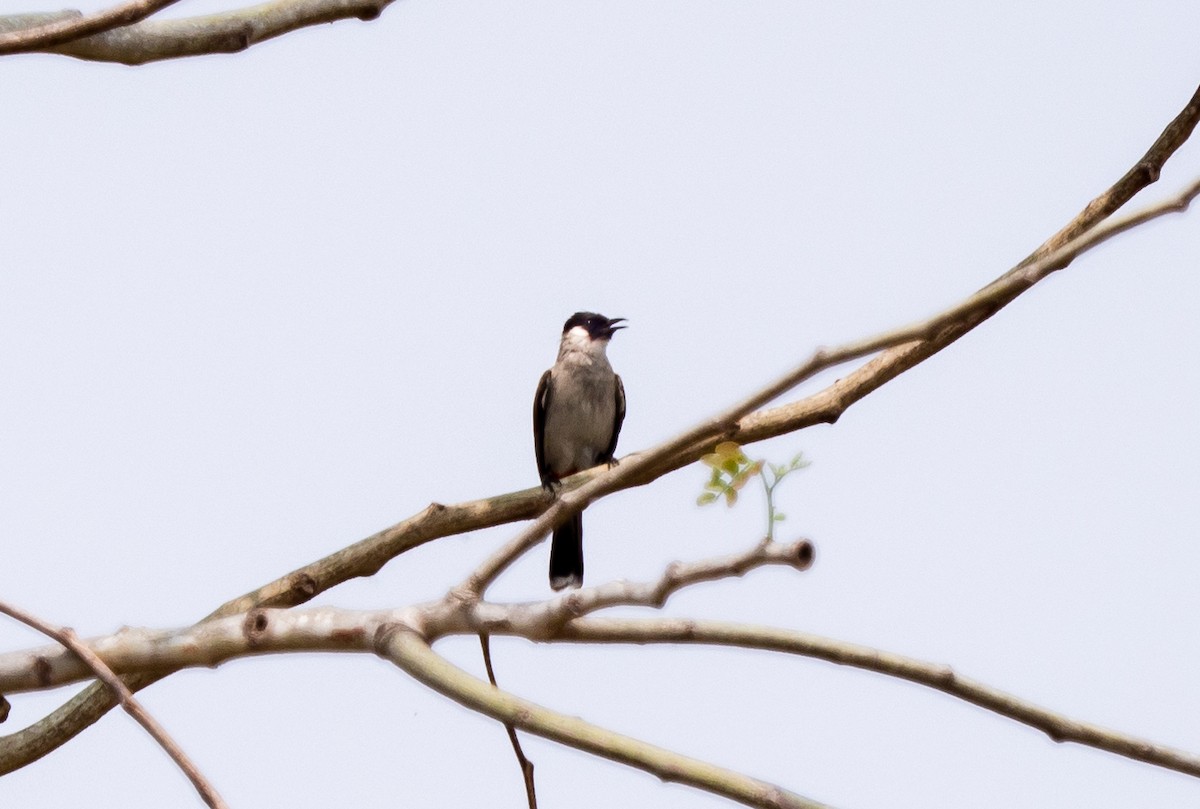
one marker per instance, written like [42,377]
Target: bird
[577,415]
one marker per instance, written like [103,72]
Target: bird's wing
[541,401]
[618,418]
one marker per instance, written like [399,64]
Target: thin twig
[943,678]
[555,611]
[62,30]
[128,701]
[526,764]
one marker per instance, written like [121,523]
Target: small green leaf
[730,465]
[706,498]
[779,517]
[730,497]
[728,449]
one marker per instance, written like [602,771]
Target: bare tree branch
[154,40]
[68,26]
[943,678]
[209,644]
[538,617]
[828,405]
[366,557]
[693,442]
[212,642]
[332,630]
[134,708]
[411,652]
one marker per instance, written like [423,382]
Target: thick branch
[391,637]
[333,630]
[226,32]
[146,652]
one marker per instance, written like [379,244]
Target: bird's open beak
[612,326]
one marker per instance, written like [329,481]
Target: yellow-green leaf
[728,449]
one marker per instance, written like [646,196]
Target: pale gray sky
[257,307]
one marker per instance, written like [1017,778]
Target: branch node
[5,707]
[41,670]
[242,38]
[804,553]
[466,595]
[491,624]
[302,586]
[774,798]
[569,607]
[945,676]
[370,12]
[255,626]
[384,634]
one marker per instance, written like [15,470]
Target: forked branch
[128,701]
[739,423]
[332,630]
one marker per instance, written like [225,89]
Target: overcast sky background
[254,308]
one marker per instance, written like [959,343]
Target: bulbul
[577,416]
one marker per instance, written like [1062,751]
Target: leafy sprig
[732,469]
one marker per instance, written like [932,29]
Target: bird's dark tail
[566,554]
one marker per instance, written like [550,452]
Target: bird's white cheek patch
[578,338]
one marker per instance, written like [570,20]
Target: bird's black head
[598,327]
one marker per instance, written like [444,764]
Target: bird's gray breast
[579,419]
